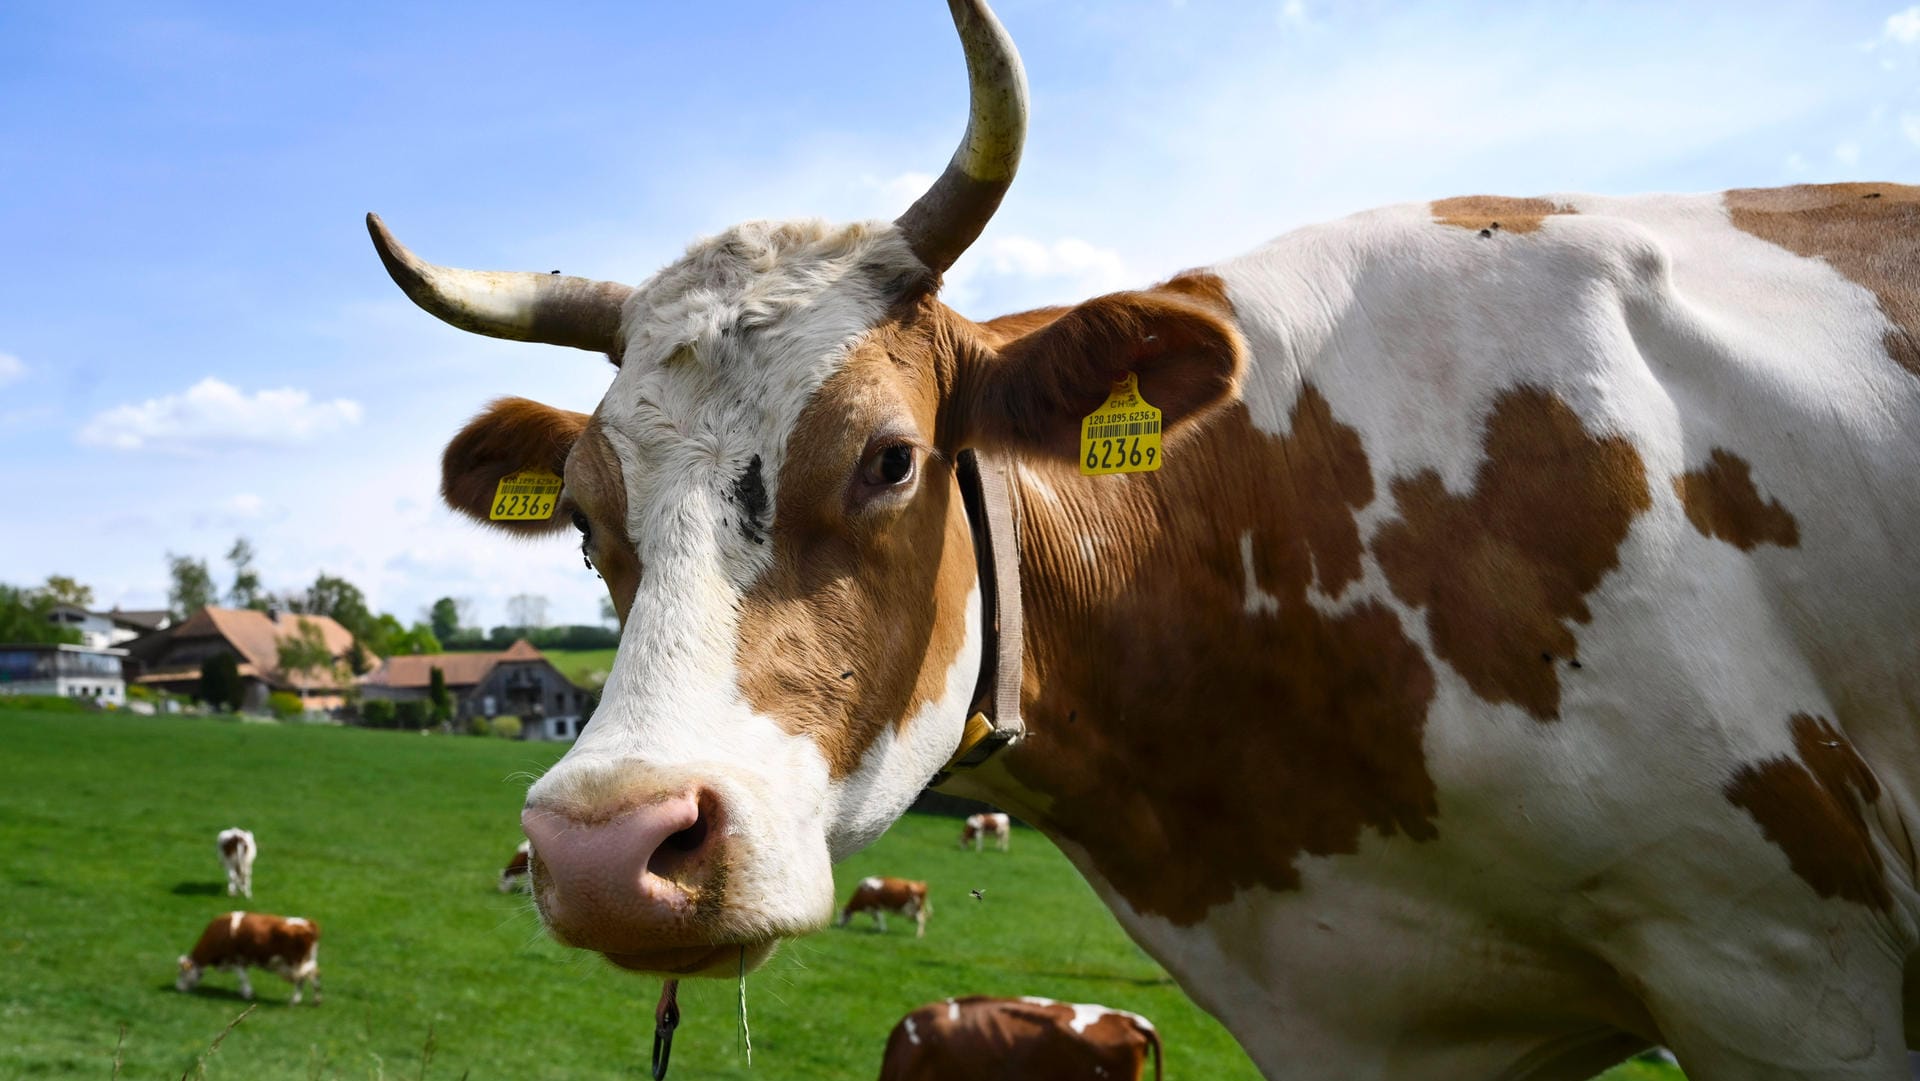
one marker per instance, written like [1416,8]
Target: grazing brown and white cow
[978,1038]
[515,875]
[879,896]
[1510,664]
[979,827]
[237,941]
[237,850]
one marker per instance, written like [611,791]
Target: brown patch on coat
[1722,502]
[257,939]
[597,487]
[862,614]
[1495,212]
[885,895]
[1191,746]
[510,435]
[1870,233]
[1503,569]
[1810,807]
[980,1037]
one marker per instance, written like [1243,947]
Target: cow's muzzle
[641,883]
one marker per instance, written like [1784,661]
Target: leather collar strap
[994,719]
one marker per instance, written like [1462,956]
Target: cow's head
[768,490]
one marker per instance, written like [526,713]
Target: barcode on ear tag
[1122,436]
[526,496]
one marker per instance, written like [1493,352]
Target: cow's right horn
[950,216]
[515,304]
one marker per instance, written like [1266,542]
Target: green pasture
[586,667]
[392,842]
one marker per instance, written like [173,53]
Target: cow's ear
[1179,339]
[511,435]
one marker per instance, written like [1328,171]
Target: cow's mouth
[696,960]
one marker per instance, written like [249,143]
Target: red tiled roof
[461,669]
[256,636]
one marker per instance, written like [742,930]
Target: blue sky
[197,341]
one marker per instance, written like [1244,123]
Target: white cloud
[12,368]
[1024,271]
[1910,127]
[1903,27]
[1293,13]
[1847,153]
[246,505]
[213,413]
[895,194]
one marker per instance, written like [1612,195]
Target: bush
[506,727]
[220,685]
[410,713]
[140,692]
[376,713]
[285,704]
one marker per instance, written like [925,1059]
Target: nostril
[690,839]
[683,846]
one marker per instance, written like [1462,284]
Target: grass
[392,842]
[585,667]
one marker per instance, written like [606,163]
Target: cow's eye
[890,465]
[581,523]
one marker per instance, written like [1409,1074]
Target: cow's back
[979,1038]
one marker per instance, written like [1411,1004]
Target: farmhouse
[519,681]
[170,659]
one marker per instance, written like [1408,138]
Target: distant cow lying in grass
[980,1039]
[515,874]
[981,826]
[236,855]
[237,941]
[883,895]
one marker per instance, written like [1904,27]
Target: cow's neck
[1198,723]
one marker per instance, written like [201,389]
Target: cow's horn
[515,304]
[954,211]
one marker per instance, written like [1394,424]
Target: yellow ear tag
[526,496]
[1122,436]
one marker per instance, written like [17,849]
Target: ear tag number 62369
[1122,436]
[526,496]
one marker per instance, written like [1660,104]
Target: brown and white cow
[878,896]
[977,1038]
[979,827]
[1511,665]
[516,875]
[237,941]
[237,850]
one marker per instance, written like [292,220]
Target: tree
[23,618]
[341,599]
[192,587]
[220,685]
[246,591]
[608,613]
[357,661]
[61,589]
[305,650]
[444,618]
[438,696]
[527,610]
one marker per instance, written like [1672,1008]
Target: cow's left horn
[953,212]
[515,304]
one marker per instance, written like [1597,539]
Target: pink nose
[626,884]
